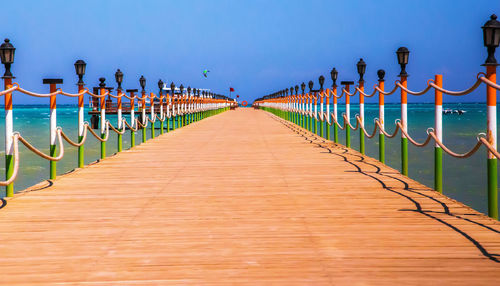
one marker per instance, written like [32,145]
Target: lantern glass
[311,84]
[361,65]
[491,32]
[403,54]
[119,76]
[160,85]
[7,51]
[142,82]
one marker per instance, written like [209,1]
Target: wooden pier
[243,198]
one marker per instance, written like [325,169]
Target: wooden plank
[243,198]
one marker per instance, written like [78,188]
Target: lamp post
[347,119]
[52,82]
[132,116]
[162,117]
[181,106]
[188,100]
[334,75]
[403,54]
[491,37]
[119,80]
[296,105]
[80,67]
[142,82]
[7,52]
[173,102]
[361,66]
[102,91]
[321,81]
[304,105]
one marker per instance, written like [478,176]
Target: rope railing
[179,110]
[302,110]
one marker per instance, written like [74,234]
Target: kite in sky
[205,73]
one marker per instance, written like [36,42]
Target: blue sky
[254,46]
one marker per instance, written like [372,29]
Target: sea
[464,179]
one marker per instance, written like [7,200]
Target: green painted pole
[404,122]
[438,129]
[81,111]
[381,116]
[491,136]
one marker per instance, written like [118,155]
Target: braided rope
[350,94]
[130,127]
[14,87]
[159,118]
[40,153]
[453,154]
[115,130]
[364,130]
[385,133]
[38,94]
[85,126]
[99,137]
[427,140]
[346,121]
[390,92]
[429,85]
[489,82]
[15,142]
[364,94]
[458,93]
[489,147]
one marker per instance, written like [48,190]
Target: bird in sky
[205,73]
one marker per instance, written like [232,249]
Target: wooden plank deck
[242,198]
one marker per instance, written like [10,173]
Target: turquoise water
[464,179]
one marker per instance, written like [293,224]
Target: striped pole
[120,120]
[306,114]
[302,109]
[438,126]
[162,115]
[152,114]
[132,117]
[81,115]
[348,115]
[404,123]
[361,117]
[144,119]
[328,115]
[321,113]
[102,86]
[310,112]
[315,121]
[491,102]
[53,125]
[335,127]
[9,143]
[381,117]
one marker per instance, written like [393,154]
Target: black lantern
[181,88]
[172,88]
[321,80]
[80,66]
[160,85]
[7,51]
[334,74]
[286,91]
[491,37]
[311,84]
[303,87]
[381,75]
[142,82]
[403,54]
[198,92]
[291,90]
[119,78]
[189,90]
[296,89]
[102,83]
[361,65]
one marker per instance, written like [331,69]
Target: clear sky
[254,46]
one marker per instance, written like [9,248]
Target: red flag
[231,89]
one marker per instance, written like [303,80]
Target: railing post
[321,113]
[315,115]
[327,123]
[132,116]
[348,117]
[404,124]
[361,117]
[438,126]
[144,119]
[491,101]
[9,131]
[152,114]
[120,120]
[53,124]
[381,116]
[335,127]
[81,107]
[162,114]
[102,90]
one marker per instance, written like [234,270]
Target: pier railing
[301,108]
[173,109]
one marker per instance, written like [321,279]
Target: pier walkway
[243,198]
